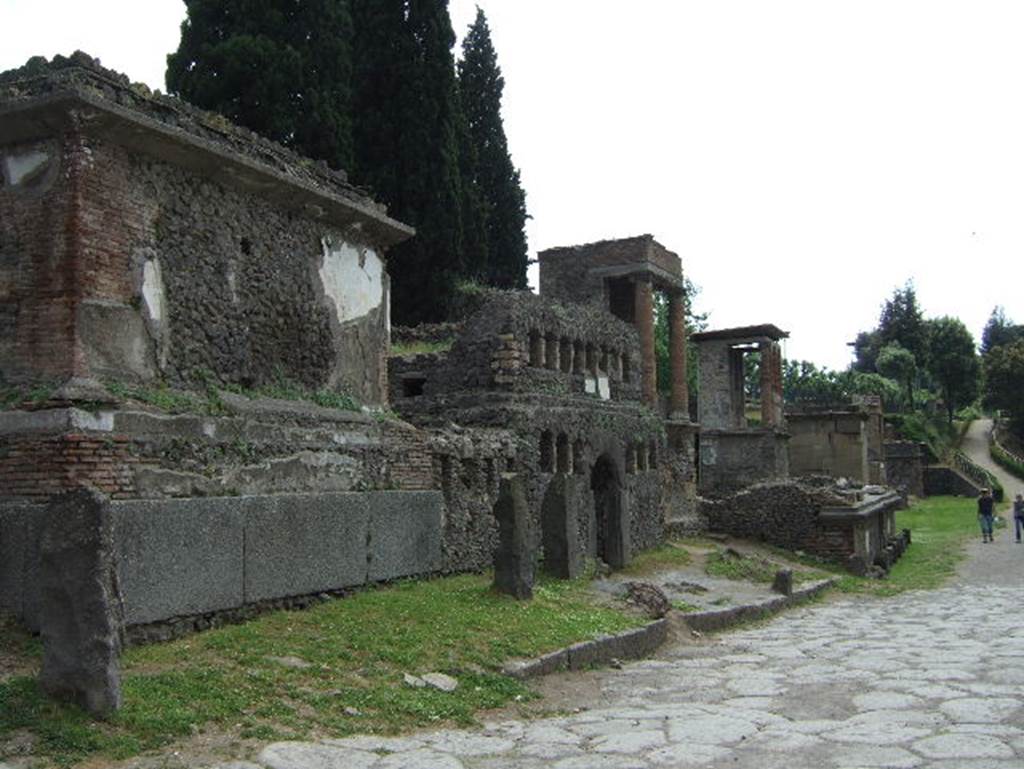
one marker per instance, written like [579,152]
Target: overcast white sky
[803,157]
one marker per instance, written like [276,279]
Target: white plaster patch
[603,389]
[153,291]
[590,385]
[17,166]
[352,278]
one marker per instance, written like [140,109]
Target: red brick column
[771,384]
[644,319]
[680,408]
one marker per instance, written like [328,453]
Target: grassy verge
[1006,460]
[667,556]
[334,669]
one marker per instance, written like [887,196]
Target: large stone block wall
[732,459]
[904,467]
[941,480]
[189,557]
[831,443]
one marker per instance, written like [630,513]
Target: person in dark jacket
[1018,515]
[985,508]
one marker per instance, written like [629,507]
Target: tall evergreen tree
[999,330]
[902,323]
[953,362]
[279,67]
[481,86]
[406,144]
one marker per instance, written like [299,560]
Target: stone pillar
[680,406]
[559,528]
[644,319]
[81,615]
[767,384]
[513,558]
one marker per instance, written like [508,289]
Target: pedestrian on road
[1018,515]
[985,505]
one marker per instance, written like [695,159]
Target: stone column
[680,407]
[767,385]
[514,557]
[644,319]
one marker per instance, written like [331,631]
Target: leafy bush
[1006,460]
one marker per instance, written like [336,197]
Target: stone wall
[573,274]
[732,459]
[904,467]
[831,443]
[136,248]
[940,480]
[190,557]
[808,515]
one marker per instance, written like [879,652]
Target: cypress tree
[481,86]
[279,67]
[406,145]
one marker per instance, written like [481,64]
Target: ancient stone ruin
[169,281]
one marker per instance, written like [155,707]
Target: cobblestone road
[930,679]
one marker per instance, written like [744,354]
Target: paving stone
[712,730]
[978,710]
[461,743]
[629,743]
[309,755]
[420,759]
[869,756]
[374,744]
[963,746]
[690,755]
[885,701]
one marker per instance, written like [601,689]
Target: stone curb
[722,618]
[630,644]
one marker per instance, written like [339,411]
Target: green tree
[1003,370]
[504,201]
[953,362]
[865,351]
[279,67]
[899,364]
[406,145]
[999,330]
[902,323]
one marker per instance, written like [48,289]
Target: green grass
[16,396]
[358,649]
[940,528]
[400,349]
[728,565]
[667,556]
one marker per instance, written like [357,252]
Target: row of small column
[679,404]
[560,455]
[576,357]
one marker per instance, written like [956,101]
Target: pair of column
[644,319]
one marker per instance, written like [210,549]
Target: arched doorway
[611,523]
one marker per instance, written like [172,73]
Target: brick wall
[33,468]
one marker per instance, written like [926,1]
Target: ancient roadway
[929,679]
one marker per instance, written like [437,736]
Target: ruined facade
[606,475]
[733,452]
[840,442]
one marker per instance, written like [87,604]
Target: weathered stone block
[560,528]
[405,533]
[81,619]
[783,582]
[299,544]
[182,556]
[513,560]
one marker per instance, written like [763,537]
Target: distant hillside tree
[899,364]
[1003,370]
[999,330]
[504,201]
[953,362]
[281,68]
[903,323]
[865,350]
